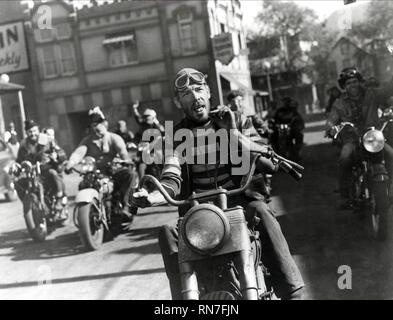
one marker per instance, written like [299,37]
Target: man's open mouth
[198,108]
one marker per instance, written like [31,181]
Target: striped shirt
[207,171]
[211,165]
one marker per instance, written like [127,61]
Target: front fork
[244,263]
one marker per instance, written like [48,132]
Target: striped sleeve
[171,175]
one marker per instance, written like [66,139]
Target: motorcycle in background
[98,212]
[39,204]
[370,179]
[282,140]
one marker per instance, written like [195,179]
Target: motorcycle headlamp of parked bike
[373,141]
[205,228]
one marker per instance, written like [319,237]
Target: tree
[378,22]
[283,18]
[292,24]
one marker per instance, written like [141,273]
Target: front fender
[87,196]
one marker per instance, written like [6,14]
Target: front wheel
[91,229]
[379,216]
[35,219]
[10,196]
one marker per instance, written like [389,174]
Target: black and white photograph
[196,150]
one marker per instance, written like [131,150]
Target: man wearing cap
[146,122]
[39,148]
[358,105]
[192,95]
[104,146]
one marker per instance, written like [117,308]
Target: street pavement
[321,238]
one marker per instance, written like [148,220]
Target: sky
[323,8]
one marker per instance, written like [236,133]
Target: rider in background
[123,132]
[358,105]
[104,147]
[146,121]
[40,148]
[288,114]
[235,99]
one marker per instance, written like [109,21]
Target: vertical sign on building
[13,53]
[223,48]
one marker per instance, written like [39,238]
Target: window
[44,35]
[122,49]
[49,63]
[60,31]
[67,58]
[186,32]
[63,31]
[57,60]
[222,27]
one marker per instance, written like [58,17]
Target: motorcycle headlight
[373,141]
[26,166]
[88,165]
[205,228]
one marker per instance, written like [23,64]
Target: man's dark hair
[233,94]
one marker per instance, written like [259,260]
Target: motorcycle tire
[11,196]
[35,219]
[92,236]
[379,216]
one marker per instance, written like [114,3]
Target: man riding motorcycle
[236,104]
[358,105]
[146,121]
[288,114]
[104,146]
[40,148]
[192,95]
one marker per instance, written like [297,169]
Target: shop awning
[10,87]
[231,78]
[128,37]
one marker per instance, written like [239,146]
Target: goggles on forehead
[184,80]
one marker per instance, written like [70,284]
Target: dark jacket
[40,153]
[363,113]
